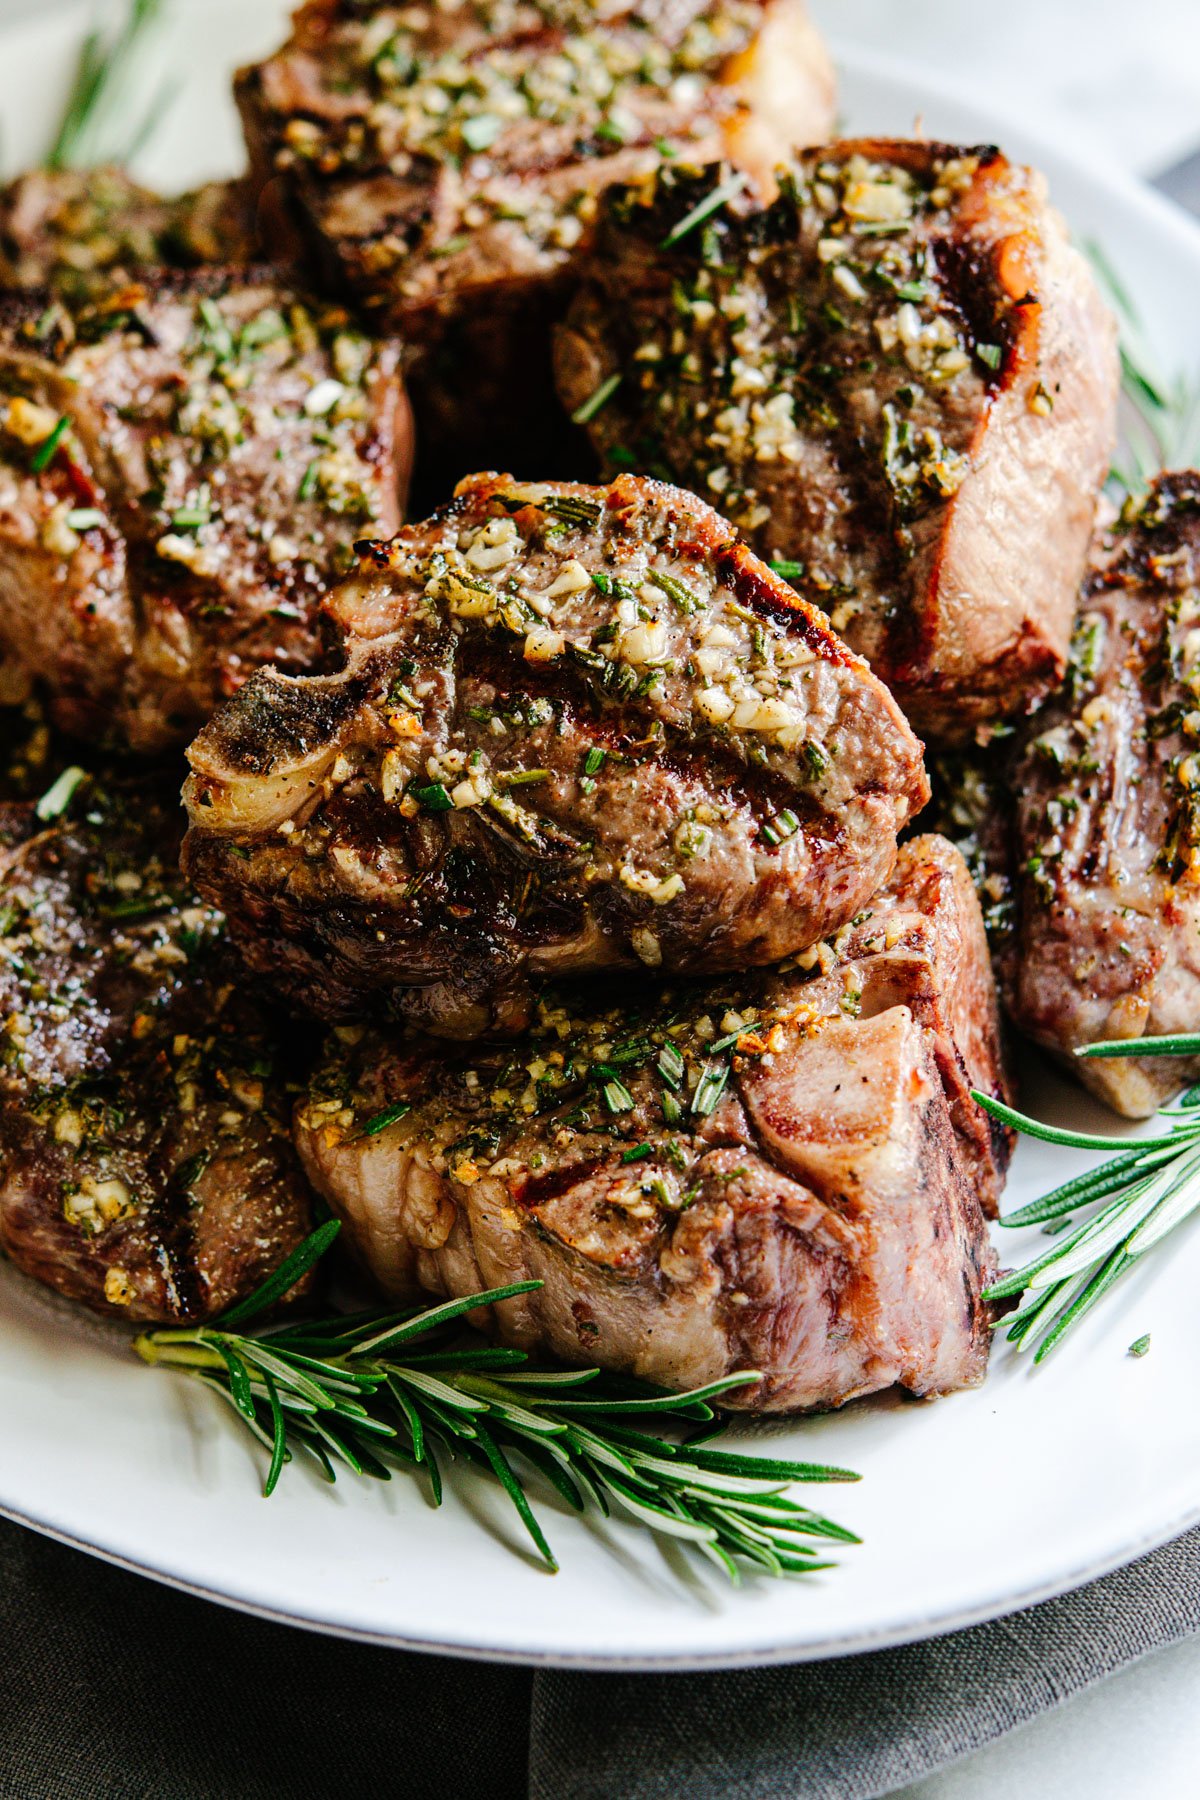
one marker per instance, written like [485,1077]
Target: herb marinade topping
[810,354]
[646,1076]
[492,94]
[654,624]
[318,412]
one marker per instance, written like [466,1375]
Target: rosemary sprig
[1176,1043]
[104,63]
[408,1389]
[1160,426]
[1139,1195]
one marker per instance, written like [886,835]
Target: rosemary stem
[177,1351]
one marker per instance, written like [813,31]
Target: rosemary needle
[409,1389]
[1161,424]
[1178,1043]
[101,71]
[1140,1195]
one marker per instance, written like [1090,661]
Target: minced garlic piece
[877,202]
[29,423]
[543,645]
[713,704]
[572,578]
[646,947]
[118,1289]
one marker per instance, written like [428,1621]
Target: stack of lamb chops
[542,857]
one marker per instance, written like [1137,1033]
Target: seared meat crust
[83,232]
[1108,813]
[780,1172]
[577,728]
[899,379]
[182,469]
[146,1166]
[444,164]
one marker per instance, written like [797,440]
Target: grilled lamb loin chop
[444,163]
[899,378]
[182,469]
[780,1172]
[146,1165]
[82,232]
[577,728]
[1108,813]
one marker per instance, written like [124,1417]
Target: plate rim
[782,1655]
[1035,141]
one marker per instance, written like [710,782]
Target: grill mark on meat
[762,792]
[488,653]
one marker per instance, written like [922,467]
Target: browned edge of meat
[774,1172]
[444,164]
[1108,813]
[898,379]
[183,468]
[577,728]
[146,1163]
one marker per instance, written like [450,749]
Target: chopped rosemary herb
[617,1097]
[55,801]
[572,509]
[603,394]
[434,797]
[815,756]
[676,590]
[704,209]
[710,1088]
[381,1120]
[45,453]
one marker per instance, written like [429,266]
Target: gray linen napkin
[862,1725]
[114,1689]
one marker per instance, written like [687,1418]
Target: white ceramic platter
[969,1507]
